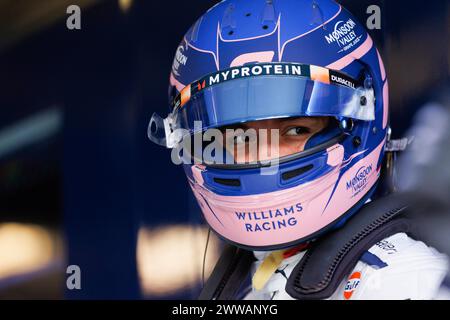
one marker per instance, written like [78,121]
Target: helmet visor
[261,98]
[319,93]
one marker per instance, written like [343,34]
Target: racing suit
[396,268]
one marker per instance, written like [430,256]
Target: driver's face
[293,135]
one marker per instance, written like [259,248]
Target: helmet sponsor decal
[180,59]
[312,72]
[359,181]
[344,35]
[272,219]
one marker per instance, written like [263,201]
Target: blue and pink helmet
[266,59]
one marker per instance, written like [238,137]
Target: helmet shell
[267,212]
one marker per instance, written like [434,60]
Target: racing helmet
[245,61]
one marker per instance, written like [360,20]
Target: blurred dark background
[80,184]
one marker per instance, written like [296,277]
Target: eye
[297,131]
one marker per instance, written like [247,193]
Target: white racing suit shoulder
[395,268]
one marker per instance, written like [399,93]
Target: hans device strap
[227,277]
[331,259]
[326,263]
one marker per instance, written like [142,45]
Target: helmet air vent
[228,182]
[296,172]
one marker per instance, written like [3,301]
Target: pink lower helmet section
[285,216]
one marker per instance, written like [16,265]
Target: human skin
[293,133]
